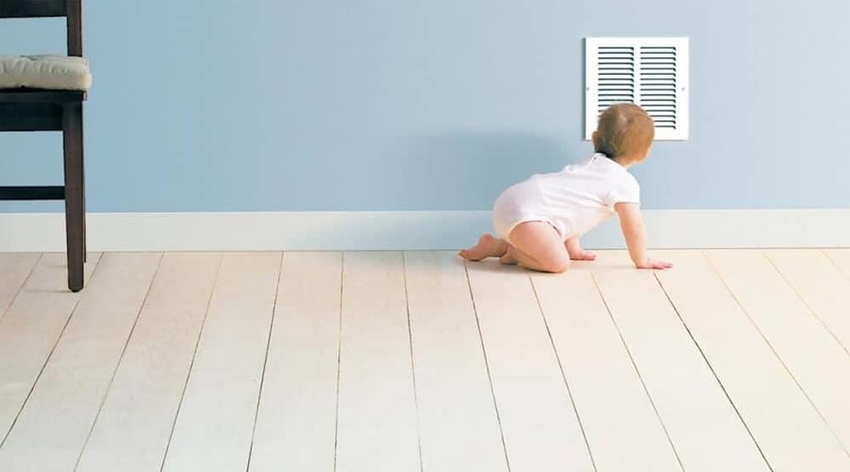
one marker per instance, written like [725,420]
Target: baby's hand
[655,265]
[576,252]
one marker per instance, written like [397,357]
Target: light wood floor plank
[789,431]
[821,285]
[422,371]
[812,355]
[132,430]
[377,408]
[30,330]
[541,430]
[15,270]
[622,428]
[296,422]
[216,420]
[458,420]
[841,258]
[53,426]
[702,424]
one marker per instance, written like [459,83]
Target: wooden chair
[47,94]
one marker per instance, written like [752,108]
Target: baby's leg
[487,246]
[537,246]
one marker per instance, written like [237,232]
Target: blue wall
[431,104]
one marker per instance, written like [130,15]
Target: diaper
[522,203]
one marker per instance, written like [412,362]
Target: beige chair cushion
[45,72]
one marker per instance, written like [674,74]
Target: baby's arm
[634,231]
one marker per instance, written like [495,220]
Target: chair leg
[83,170]
[74,194]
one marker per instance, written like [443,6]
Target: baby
[540,220]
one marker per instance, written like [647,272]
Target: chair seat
[47,72]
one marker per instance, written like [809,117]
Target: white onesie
[573,200]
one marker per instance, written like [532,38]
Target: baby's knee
[557,265]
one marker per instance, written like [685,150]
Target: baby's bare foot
[583,256]
[487,246]
[508,258]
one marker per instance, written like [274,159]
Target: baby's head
[624,134]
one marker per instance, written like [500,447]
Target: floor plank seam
[192,363]
[714,373]
[563,374]
[339,357]
[412,363]
[49,356]
[118,363]
[265,363]
[637,371]
[805,302]
[841,269]
[487,367]
[21,288]
[778,357]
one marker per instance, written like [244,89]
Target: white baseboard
[413,230]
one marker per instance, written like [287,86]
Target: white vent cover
[650,72]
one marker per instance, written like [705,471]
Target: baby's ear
[594,137]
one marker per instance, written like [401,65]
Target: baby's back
[583,194]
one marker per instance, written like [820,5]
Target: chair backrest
[70,9]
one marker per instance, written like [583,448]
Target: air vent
[651,72]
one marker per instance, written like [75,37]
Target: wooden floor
[396,362]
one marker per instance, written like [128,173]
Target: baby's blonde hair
[624,129]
